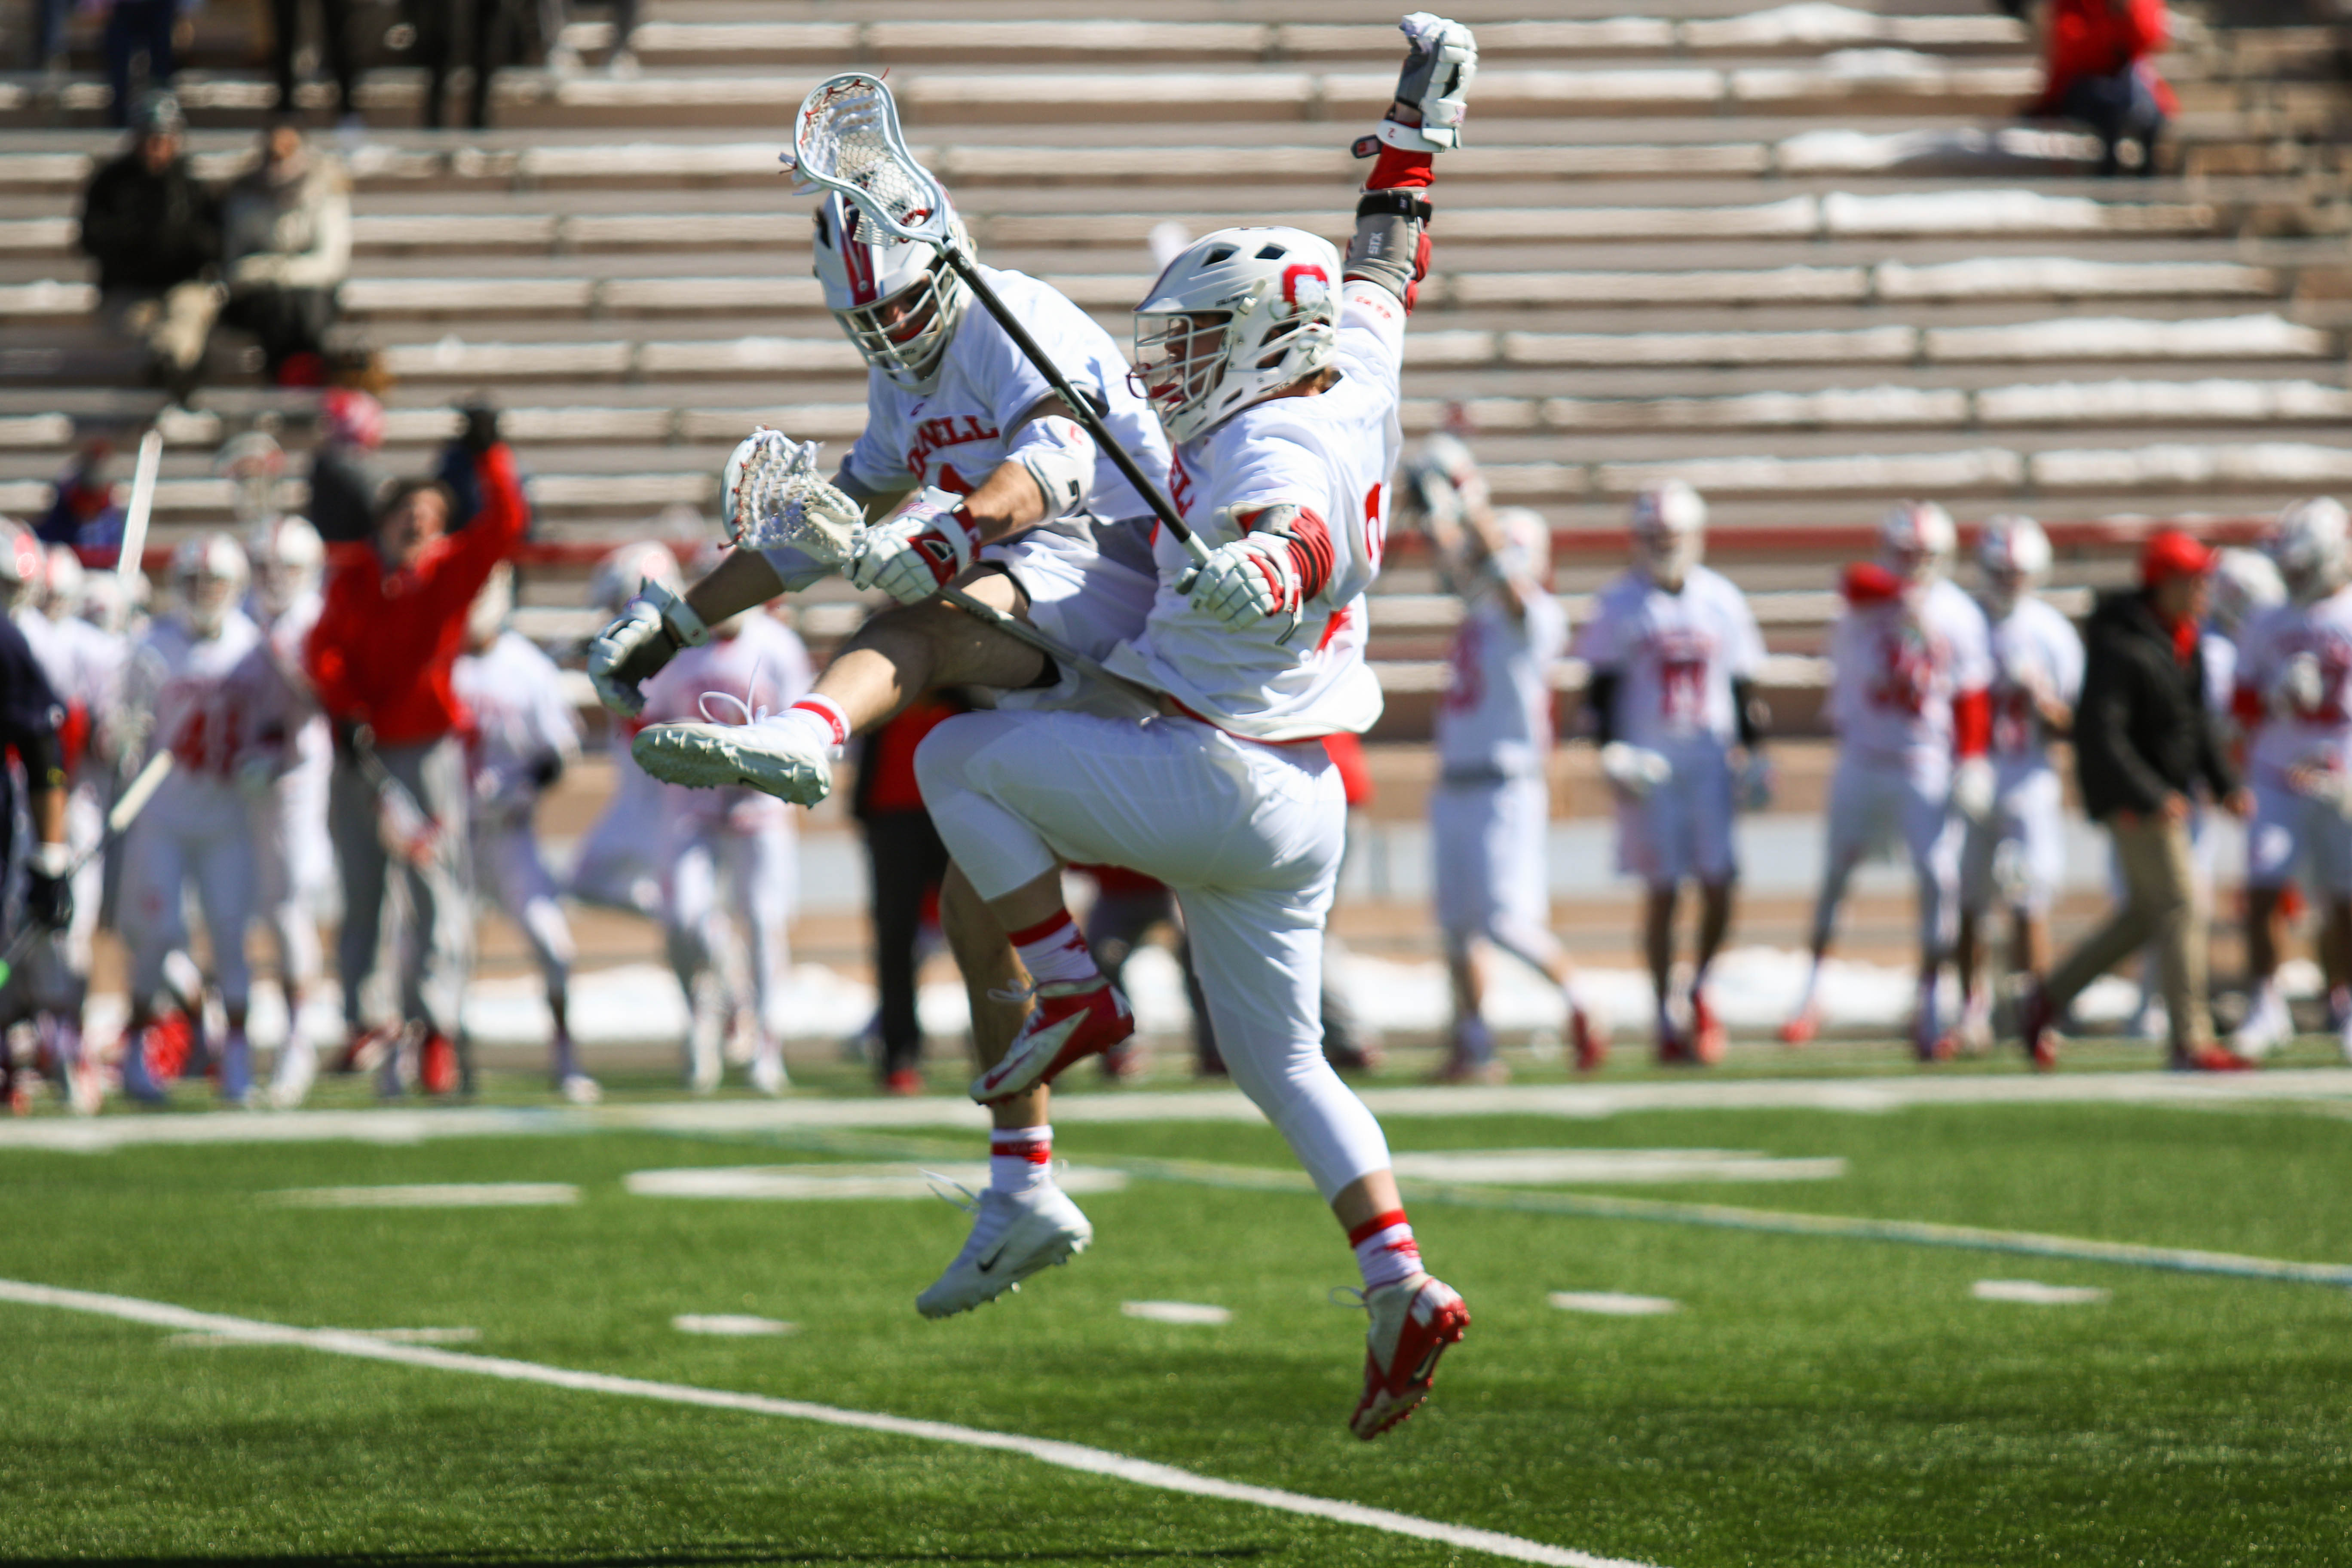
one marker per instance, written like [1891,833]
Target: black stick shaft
[1081,408]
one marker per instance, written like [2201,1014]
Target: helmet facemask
[1242,315]
[206,596]
[899,303]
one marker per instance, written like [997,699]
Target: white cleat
[1013,1237]
[296,1070]
[579,1089]
[780,756]
[767,1074]
[2268,1025]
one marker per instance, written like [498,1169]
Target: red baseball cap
[2172,553]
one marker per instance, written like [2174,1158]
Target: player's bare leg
[2267,1025]
[1806,1021]
[1713,926]
[1658,905]
[1470,1053]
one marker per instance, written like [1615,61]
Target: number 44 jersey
[1674,656]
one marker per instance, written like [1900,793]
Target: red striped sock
[1054,951]
[1020,1159]
[828,713]
[1385,1249]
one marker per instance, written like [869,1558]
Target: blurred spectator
[485,28]
[154,231]
[456,467]
[334,47]
[381,661]
[905,862]
[83,510]
[622,61]
[49,34]
[2098,61]
[286,244]
[159,30]
[346,482]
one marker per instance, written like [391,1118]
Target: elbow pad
[1061,457]
[1392,243]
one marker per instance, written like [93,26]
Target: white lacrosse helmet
[2013,554]
[24,567]
[2309,544]
[1241,313]
[288,558]
[106,603]
[1915,539]
[624,573]
[1443,478]
[208,575]
[253,463]
[897,300]
[1669,528]
[2244,581]
[1527,539]
[66,584]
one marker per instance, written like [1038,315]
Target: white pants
[715,874]
[1492,850]
[1084,600]
[509,868]
[2017,856]
[1249,837]
[294,868]
[619,865]
[194,830]
[1681,828]
[1870,803]
[2290,830]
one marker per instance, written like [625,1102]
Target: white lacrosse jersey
[765,669]
[1495,716]
[1675,655]
[2220,652]
[956,434]
[1895,668]
[521,715]
[1330,455]
[215,701]
[2033,646]
[2316,735]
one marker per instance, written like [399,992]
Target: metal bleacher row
[1796,256]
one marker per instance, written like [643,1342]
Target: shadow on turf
[694,1557]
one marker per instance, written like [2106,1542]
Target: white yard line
[1578,1101]
[1067,1455]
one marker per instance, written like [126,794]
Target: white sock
[1020,1159]
[1385,1249]
[821,716]
[1054,951]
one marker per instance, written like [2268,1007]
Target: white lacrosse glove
[1635,770]
[1757,783]
[1440,61]
[1972,788]
[634,648]
[2300,688]
[915,554]
[1248,580]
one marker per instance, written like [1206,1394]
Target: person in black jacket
[30,715]
[154,231]
[2144,742]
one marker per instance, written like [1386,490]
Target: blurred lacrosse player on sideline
[380,659]
[1490,815]
[2016,855]
[1013,506]
[30,719]
[1911,673]
[522,736]
[619,863]
[1673,652]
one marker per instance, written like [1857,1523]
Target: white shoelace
[747,705]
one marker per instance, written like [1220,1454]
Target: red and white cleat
[1072,1020]
[2037,1029]
[1706,1032]
[1412,1322]
[1801,1029]
[1590,1038]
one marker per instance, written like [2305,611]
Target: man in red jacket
[2098,64]
[393,625]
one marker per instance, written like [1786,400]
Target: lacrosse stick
[143,504]
[133,801]
[774,497]
[406,831]
[847,139]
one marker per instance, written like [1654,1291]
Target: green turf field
[1816,1399]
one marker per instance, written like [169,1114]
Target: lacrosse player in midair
[1015,505]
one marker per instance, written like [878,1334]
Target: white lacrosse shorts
[195,829]
[509,868]
[1248,835]
[2016,858]
[1490,841]
[1084,600]
[1872,803]
[2291,830]
[1681,828]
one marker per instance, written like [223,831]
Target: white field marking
[1564,1167]
[389,1336]
[2033,1293]
[1612,1304]
[1176,1312]
[739,1324]
[804,1181]
[1872,1094]
[1046,1450]
[434,1195]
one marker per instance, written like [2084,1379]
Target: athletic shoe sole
[710,756]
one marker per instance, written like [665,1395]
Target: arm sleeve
[1748,711]
[1601,698]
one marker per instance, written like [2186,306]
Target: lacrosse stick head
[847,139]
[773,496]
